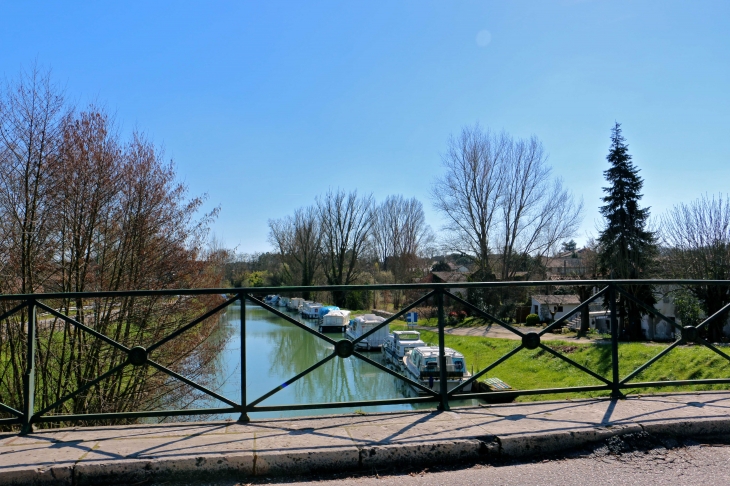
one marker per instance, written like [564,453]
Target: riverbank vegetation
[82,209]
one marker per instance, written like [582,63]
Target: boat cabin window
[408,337]
[458,364]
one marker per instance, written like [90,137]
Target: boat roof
[369,319]
[433,352]
[338,313]
[402,334]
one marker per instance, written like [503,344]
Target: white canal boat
[310,310]
[294,304]
[334,321]
[363,324]
[422,365]
[398,344]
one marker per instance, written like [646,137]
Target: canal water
[277,350]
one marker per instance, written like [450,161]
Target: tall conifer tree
[627,247]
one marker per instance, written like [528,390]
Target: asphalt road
[640,460]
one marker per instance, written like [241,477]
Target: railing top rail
[331,288]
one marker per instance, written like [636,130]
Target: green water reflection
[277,350]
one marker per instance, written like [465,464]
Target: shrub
[532,320]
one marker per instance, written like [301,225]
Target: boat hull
[361,345]
[331,328]
[435,385]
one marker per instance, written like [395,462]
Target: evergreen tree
[627,247]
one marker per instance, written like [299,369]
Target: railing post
[244,414]
[615,379]
[444,405]
[29,375]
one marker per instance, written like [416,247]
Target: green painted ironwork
[140,356]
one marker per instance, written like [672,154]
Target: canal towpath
[351,442]
[495,331]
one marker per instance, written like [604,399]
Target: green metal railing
[138,356]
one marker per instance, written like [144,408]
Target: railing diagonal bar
[649,309]
[484,313]
[397,375]
[651,361]
[713,317]
[573,312]
[290,381]
[192,383]
[89,330]
[289,319]
[394,316]
[709,345]
[90,384]
[574,364]
[13,310]
[10,410]
[192,324]
[486,370]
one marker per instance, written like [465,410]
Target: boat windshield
[414,336]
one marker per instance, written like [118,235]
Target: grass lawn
[539,369]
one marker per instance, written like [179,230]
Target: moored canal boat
[334,321]
[310,310]
[294,304]
[363,324]
[422,365]
[325,309]
[398,343]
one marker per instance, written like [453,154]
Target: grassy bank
[539,369]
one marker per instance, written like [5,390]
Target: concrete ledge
[62,475]
[133,454]
[688,427]
[427,453]
[303,462]
[534,444]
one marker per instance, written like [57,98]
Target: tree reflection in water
[278,350]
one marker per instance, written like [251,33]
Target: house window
[535,312]
[560,308]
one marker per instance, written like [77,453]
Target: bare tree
[400,233]
[697,237]
[298,240]
[81,211]
[468,193]
[346,221]
[31,118]
[536,212]
[501,202]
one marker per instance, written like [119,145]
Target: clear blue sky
[264,105]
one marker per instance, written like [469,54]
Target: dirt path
[500,332]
